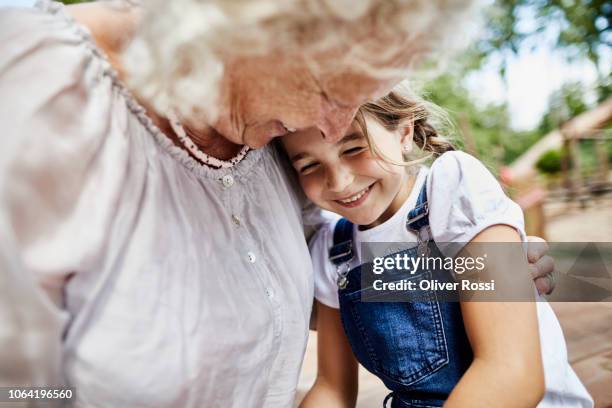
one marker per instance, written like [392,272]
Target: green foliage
[604,88]
[563,104]
[580,27]
[577,28]
[549,162]
[488,126]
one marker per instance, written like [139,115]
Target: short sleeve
[326,290]
[464,199]
[64,148]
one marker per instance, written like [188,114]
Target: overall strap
[418,217]
[342,249]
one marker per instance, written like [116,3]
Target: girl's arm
[507,368]
[336,383]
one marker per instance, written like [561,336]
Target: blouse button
[236,220]
[251,257]
[270,293]
[227,181]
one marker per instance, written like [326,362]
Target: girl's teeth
[355,197]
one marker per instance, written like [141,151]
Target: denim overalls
[418,349]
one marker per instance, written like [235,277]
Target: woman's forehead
[327,74]
[312,137]
[351,88]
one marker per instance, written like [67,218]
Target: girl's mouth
[356,199]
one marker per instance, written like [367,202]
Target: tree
[581,25]
[488,125]
[563,104]
[578,28]
[549,162]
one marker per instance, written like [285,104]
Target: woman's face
[262,97]
[346,178]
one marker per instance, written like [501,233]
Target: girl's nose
[335,121]
[339,179]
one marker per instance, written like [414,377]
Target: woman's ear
[406,136]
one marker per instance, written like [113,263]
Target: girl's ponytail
[427,138]
[394,111]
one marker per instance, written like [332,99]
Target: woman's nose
[339,178]
[335,121]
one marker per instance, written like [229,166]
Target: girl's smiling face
[346,177]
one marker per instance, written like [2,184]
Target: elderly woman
[152,248]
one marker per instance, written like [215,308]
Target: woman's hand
[541,266]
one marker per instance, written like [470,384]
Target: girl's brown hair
[395,111]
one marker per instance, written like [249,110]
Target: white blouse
[128,270]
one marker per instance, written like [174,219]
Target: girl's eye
[309,168]
[353,150]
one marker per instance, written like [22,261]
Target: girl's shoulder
[459,172]
[465,198]
[457,163]
[322,238]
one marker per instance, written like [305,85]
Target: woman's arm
[32,325]
[336,383]
[507,368]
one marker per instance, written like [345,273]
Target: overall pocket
[402,341]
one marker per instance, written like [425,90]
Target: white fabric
[147,279]
[464,199]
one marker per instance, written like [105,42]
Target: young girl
[428,353]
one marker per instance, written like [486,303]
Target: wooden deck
[588,333]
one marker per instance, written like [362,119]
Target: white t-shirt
[464,198]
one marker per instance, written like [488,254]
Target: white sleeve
[53,151]
[326,289]
[31,329]
[464,199]
[314,218]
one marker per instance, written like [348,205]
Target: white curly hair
[176,58]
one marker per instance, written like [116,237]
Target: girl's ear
[406,136]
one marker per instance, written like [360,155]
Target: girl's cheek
[312,187]
[386,167]
[372,166]
[369,158]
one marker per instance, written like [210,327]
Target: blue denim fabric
[418,349]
